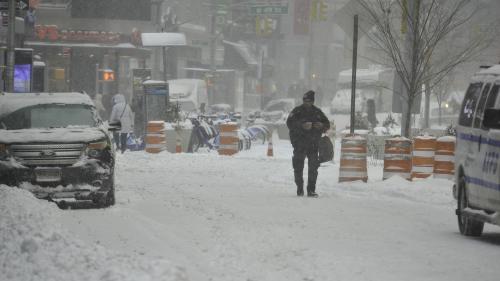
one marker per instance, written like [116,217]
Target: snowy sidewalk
[237,218]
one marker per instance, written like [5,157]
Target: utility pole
[213,45]
[354,70]
[11,48]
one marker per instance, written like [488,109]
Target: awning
[121,46]
[238,55]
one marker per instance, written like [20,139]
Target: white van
[188,93]
[477,171]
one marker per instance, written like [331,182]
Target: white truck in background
[374,83]
[189,94]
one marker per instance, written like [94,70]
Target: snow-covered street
[206,217]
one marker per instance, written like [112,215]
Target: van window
[478,119]
[469,104]
[492,98]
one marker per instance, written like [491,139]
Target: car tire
[467,225]
[109,185]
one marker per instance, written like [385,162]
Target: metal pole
[165,74]
[97,79]
[212,52]
[11,47]
[354,69]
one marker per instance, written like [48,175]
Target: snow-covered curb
[35,246]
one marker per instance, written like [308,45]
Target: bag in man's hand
[325,149]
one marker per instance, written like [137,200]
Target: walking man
[306,123]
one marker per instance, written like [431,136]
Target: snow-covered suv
[478,154]
[58,144]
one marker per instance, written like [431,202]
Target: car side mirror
[491,118]
[115,126]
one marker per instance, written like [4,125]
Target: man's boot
[311,191]
[300,190]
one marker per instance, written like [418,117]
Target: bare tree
[410,32]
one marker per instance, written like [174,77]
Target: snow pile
[34,246]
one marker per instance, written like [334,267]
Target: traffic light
[106,75]
[268,26]
[264,26]
[314,9]
[319,10]
[323,9]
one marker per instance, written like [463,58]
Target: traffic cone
[270,148]
[178,147]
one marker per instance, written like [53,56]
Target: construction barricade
[155,137]
[229,139]
[423,156]
[353,159]
[397,158]
[444,158]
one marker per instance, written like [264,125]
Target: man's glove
[307,125]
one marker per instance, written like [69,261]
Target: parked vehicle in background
[375,83]
[190,94]
[341,102]
[477,154]
[277,109]
[59,144]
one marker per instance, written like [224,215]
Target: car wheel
[109,185]
[467,225]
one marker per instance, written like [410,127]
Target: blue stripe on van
[474,138]
[483,183]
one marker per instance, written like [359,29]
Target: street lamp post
[9,83]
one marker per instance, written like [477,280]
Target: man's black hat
[309,96]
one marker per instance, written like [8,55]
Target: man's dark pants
[121,141]
[300,152]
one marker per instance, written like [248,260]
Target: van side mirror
[114,126]
[491,118]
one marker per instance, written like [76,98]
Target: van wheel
[467,225]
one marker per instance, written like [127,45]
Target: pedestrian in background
[306,124]
[121,112]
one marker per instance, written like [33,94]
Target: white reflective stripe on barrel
[397,156]
[159,145]
[444,158]
[391,174]
[423,153]
[229,134]
[352,174]
[423,169]
[229,146]
[349,156]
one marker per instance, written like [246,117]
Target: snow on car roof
[10,102]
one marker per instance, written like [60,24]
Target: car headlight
[94,149]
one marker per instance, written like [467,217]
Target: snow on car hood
[59,135]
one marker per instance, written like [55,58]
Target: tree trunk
[407,120]
[439,114]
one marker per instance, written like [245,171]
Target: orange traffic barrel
[397,158]
[353,159]
[229,139]
[156,140]
[423,156]
[444,158]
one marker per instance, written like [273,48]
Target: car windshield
[49,116]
